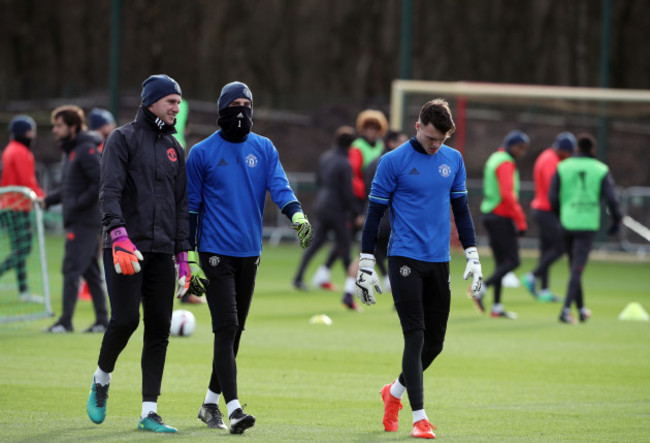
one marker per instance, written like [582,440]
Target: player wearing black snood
[229,174]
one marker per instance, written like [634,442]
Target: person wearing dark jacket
[577,188]
[334,206]
[143,201]
[79,196]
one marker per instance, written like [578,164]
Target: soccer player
[79,195]
[334,206]
[369,146]
[551,242]
[392,140]
[371,126]
[102,121]
[18,169]
[418,181]
[503,217]
[229,174]
[577,188]
[143,200]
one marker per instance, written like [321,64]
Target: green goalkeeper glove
[199,282]
[302,226]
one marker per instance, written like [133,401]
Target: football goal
[24,287]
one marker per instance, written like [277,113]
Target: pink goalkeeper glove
[184,274]
[125,255]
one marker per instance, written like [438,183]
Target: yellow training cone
[634,311]
[320,319]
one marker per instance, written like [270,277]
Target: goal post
[24,284]
[400,88]
[599,103]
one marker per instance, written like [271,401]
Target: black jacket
[144,186]
[79,181]
[334,180]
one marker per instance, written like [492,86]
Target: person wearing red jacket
[551,241]
[18,169]
[503,217]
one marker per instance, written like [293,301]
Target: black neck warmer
[236,123]
[24,140]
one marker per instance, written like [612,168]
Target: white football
[183,323]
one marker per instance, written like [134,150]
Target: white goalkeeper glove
[367,280]
[473,269]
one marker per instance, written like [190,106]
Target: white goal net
[24,287]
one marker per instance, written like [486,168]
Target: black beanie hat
[158,86]
[565,141]
[20,124]
[233,91]
[99,117]
[515,138]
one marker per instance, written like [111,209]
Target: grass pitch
[532,379]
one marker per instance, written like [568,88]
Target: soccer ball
[183,323]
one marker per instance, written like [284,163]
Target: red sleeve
[20,171]
[29,173]
[358,185]
[509,206]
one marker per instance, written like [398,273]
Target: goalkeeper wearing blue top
[228,175]
[418,182]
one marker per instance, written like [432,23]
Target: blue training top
[226,186]
[418,189]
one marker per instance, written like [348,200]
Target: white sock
[211,398]
[387,283]
[147,407]
[419,415]
[349,285]
[321,276]
[232,406]
[397,390]
[101,377]
[497,307]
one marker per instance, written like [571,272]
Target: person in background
[19,169]
[551,242]
[143,201]
[371,126]
[79,196]
[503,217]
[577,188]
[334,206]
[229,174]
[418,181]
[181,123]
[102,121]
[369,146]
[392,140]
